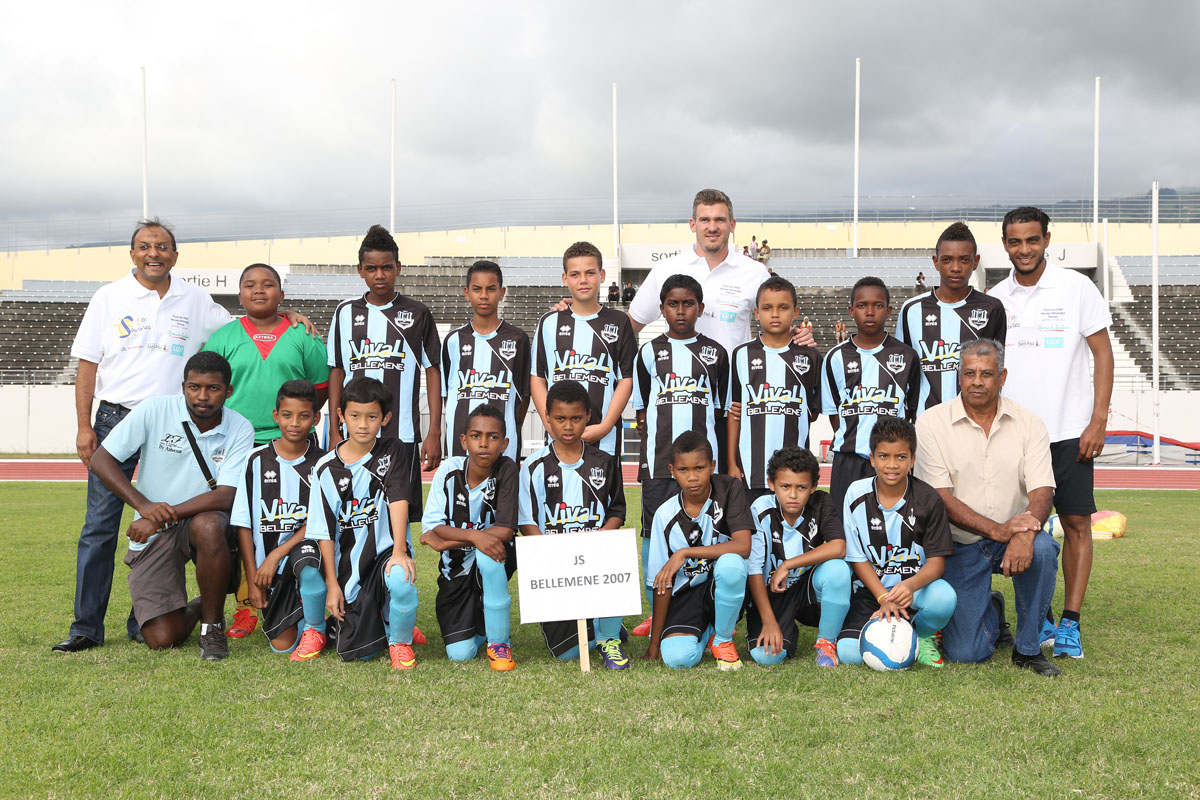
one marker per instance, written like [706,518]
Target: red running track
[61,469]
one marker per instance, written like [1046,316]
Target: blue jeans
[970,635]
[98,543]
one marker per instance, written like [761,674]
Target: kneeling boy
[897,540]
[699,541]
[270,509]
[572,486]
[796,569]
[350,561]
[470,518]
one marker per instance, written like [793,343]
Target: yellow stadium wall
[110,263]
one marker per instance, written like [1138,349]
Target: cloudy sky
[276,116]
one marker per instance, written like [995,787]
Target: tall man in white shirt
[1057,316]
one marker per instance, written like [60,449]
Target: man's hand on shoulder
[561,305]
[299,319]
[802,335]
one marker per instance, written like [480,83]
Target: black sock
[1071,615]
[1050,615]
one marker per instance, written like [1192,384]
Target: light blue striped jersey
[272,497]
[484,369]
[565,498]
[451,501]
[725,512]
[775,541]
[859,386]
[895,541]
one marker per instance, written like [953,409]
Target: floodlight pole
[1107,266]
[145,154]
[1154,312]
[1096,165]
[857,107]
[392,173]
[616,257]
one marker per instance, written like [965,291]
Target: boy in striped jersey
[869,377]
[572,486]
[270,508]
[773,391]
[937,323]
[485,362]
[358,558]
[587,343]
[681,383]
[796,569]
[470,519]
[699,541]
[391,338]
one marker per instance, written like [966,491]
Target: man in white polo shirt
[1057,316]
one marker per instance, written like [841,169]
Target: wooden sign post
[578,576]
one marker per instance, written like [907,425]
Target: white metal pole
[857,106]
[1154,311]
[1107,266]
[1096,164]
[392,189]
[145,154]
[616,224]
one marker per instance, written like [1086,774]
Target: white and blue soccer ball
[888,644]
[1054,526]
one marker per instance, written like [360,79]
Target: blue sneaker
[1048,631]
[613,653]
[1066,639]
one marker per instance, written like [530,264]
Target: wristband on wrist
[880,598]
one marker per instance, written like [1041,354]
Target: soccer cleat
[312,642]
[1004,638]
[402,656]
[927,652]
[643,629]
[726,655]
[1048,629]
[1038,664]
[826,653]
[614,654]
[499,658]
[418,637]
[213,644]
[1067,641]
[244,623]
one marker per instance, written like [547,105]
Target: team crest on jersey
[359,319]
[717,513]
[404,320]
[708,355]
[597,477]
[508,348]
[489,489]
[663,355]
[609,333]
[467,349]
[564,330]
[270,476]
[552,481]
[978,318]
[912,519]
[896,363]
[931,320]
[801,363]
[382,465]
[851,366]
[755,363]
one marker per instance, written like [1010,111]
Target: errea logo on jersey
[270,476]
[343,482]
[552,481]
[460,499]
[876,523]
[931,320]
[467,349]
[663,355]
[756,363]
[851,366]
[564,330]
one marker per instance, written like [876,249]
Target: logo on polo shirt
[609,333]
[171,443]
[978,318]
[876,523]
[128,325]
[708,355]
[508,348]
[218,455]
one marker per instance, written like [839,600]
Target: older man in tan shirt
[989,459]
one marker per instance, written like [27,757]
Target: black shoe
[1038,663]
[75,644]
[136,636]
[1005,639]
[213,644]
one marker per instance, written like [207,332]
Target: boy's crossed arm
[895,602]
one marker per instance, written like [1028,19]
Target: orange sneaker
[500,657]
[418,637]
[402,655]
[312,642]
[826,653]
[726,655]
[644,628]
[244,623]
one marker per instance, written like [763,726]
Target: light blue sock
[831,580]
[497,603]
[647,579]
[729,594]
[682,652]
[761,656]
[935,604]
[312,597]
[607,628]
[464,650]
[849,651]
[574,651]
[403,607]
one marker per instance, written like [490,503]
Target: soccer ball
[888,645]
[1054,526]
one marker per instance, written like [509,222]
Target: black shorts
[862,606]
[655,492]
[847,468]
[562,636]
[692,609]
[796,605]
[459,603]
[415,500]
[1074,481]
[284,608]
[363,631]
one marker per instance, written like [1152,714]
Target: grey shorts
[157,584]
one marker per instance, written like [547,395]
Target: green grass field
[121,721]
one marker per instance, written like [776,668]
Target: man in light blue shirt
[180,513]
